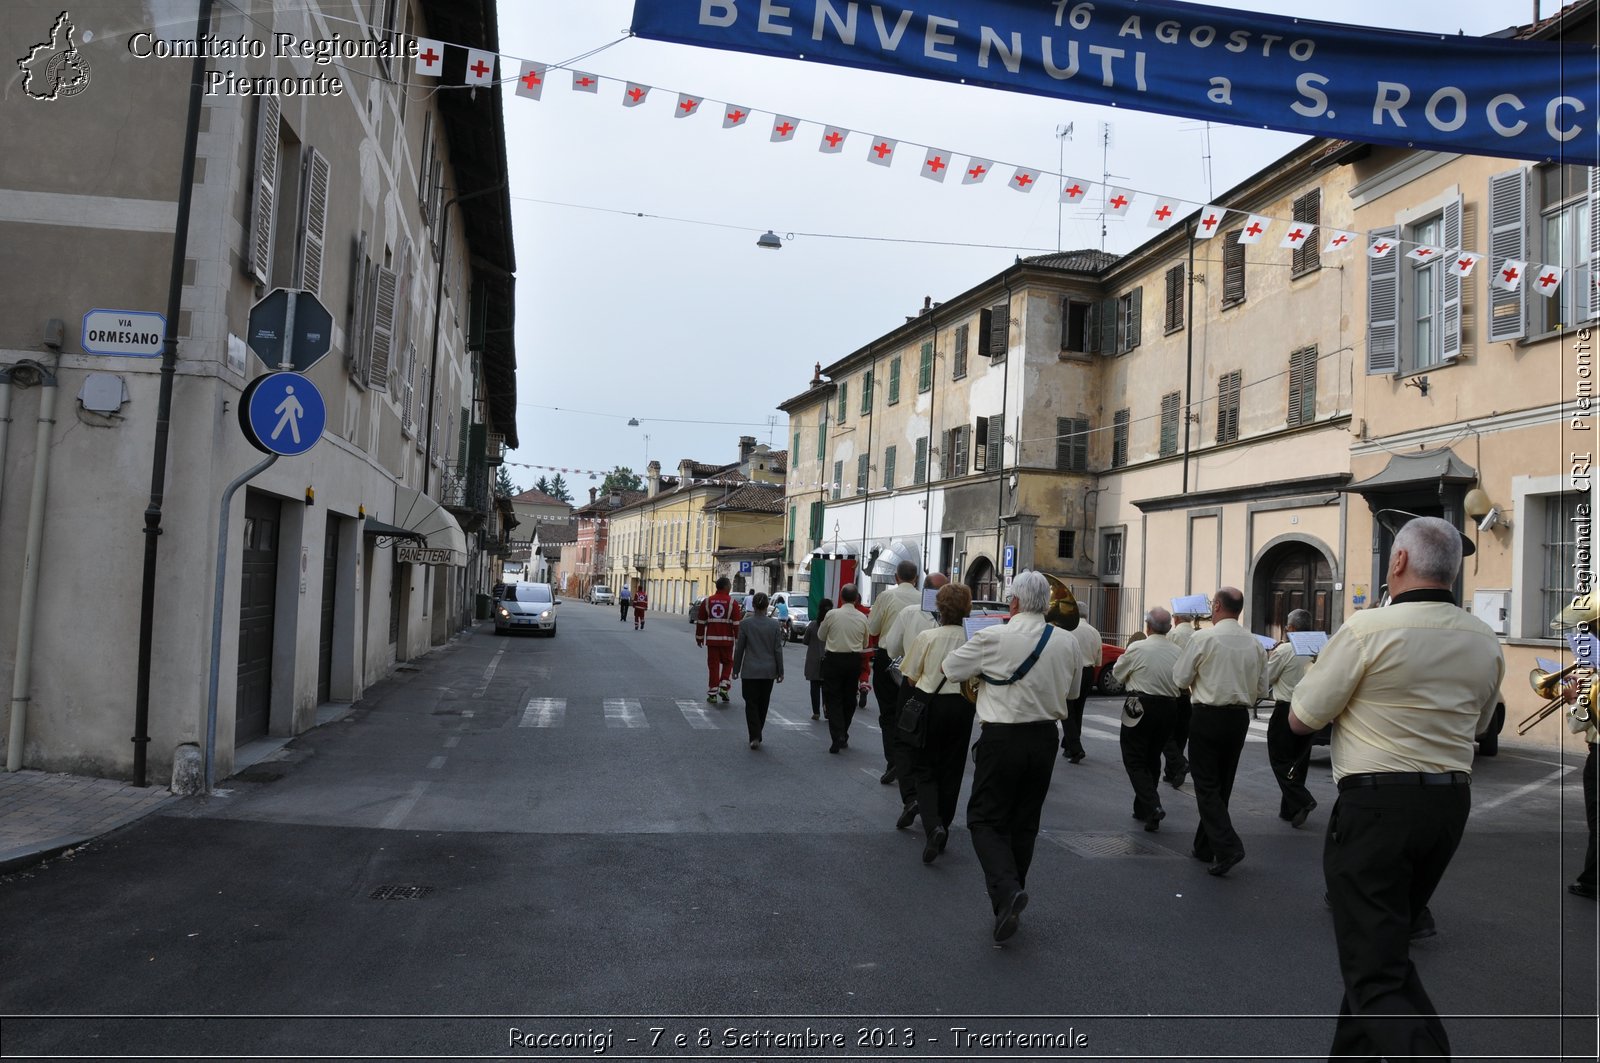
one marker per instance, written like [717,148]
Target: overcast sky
[693,330]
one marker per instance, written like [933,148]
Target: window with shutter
[383,287]
[1119,439]
[1302,386]
[425,166]
[1594,243]
[1078,323]
[888,468]
[1450,305]
[980,445]
[894,380]
[984,332]
[838,478]
[815,530]
[958,452]
[1169,423]
[1133,319]
[1232,269]
[265,189]
[1383,306]
[424,404]
[995,459]
[1072,444]
[356,336]
[1108,318]
[844,401]
[999,331]
[959,369]
[866,392]
[1174,314]
[925,369]
[795,451]
[1308,212]
[1508,210]
[822,431]
[408,388]
[862,467]
[919,472]
[1228,387]
[313,222]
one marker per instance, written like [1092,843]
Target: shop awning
[384,530]
[1427,468]
[444,543]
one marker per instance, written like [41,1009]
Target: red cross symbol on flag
[1164,211]
[582,82]
[832,140]
[935,164]
[1297,235]
[1508,278]
[1118,200]
[1380,249]
[480,67]
[977,170]
[635,94]
[1210,218]
[1023,179]
[881,153]
[1423,254]
[430,57]
[1549,280]
[1464,264]
[1337,242]
[687,105]
[530,82]
[734,116]
[1073,190]
[1255,227]
[783,128]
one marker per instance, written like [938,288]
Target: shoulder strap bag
[913,719]
[1027,665]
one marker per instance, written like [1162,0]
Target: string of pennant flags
[458,64]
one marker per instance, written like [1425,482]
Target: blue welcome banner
[1475,95]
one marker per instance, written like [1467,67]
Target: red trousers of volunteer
[719,665]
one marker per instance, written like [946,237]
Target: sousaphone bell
[1063,611]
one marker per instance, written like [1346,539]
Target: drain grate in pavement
[1097,845]
[400,893]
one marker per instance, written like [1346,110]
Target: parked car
[600,594]
[1104,681]
[799,618]
[526,607]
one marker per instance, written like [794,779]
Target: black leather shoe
[934,845]
[834,748]
[888,775]
[1225,865]
[1581,889]
[1423,925]
[1299,818]
[1006,919]
[1176,781]
[1153,824]
[908,816]
[1075,758]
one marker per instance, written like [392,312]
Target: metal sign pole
[286,356]
[216,611]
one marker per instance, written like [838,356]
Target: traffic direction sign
[282,413]
[281,312]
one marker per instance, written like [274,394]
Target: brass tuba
[1063,611]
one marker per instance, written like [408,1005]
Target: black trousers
[1141,751]
[1216,738]
[1009,784]
[1289,755]
[757,697]
[1072,725]
[626,603]
[1590,769]
[816,696]
[936,768]
[889,693]
[840,672]
[1178,741]
[1386,849]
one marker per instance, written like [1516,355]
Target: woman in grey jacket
[814,650]
[757,664]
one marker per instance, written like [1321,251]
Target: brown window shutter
[999,330]
[1232,269]
[1174,316]
[1308,209]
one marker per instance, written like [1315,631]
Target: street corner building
[1233,401]
[385,204]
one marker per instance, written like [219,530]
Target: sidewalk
[42,813]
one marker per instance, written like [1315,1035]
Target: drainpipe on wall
[22,675]
[5,421]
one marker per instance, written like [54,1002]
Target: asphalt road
[539,848]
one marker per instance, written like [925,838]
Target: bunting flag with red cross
[1547,280]
[734,115]
[1024,179]
[1299,233]
[1508,278]
[530,81]
[881,152]
[1462,262]
[1424,254]
[832,142]
[784,128]
[430,57]
[1118,200]
[935,165]
[687,105]
[1210,222]
[1255,227]
[1380,248]
[1338,240]
[1162,213]
[977,169]
[1073,190]
[634,94]
[480,67]
[582,82]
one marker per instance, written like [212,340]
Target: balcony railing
[683,559]
[465,488]
[661,559]
[641,562]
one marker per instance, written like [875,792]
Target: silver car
[526,607]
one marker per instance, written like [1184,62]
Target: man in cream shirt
[886,607]
[1288,754]
[1088,640]
[1018,704]
[1146,671]
[1406,687]
[1221,667]
[1176,754]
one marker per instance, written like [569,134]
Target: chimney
[652,479]
[747,444]
[816,376]
[592,492]
[927,304]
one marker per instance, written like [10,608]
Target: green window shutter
[996,437]
[960,369]
[1135,327]
[866,392]
[822,432]
[817,510]
[925,369]
[1119,439]
[888,468]
[919,473]
[999,331]
[862,466]
[794,455]
[894,380]
[1169,423]
[838,478]
[1302,386]
[844,400]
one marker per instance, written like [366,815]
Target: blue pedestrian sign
[282,413]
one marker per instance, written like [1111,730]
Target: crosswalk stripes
[624,712]
[1109,728]
[695,712]
[781,720]
[544,712]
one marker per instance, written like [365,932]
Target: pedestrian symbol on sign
[282,413]
[291,412]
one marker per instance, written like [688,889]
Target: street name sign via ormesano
[282,413]
[130,333]
[284,311]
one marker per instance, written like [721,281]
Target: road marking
[544,712]
[1523,791]
[452,741]
[697,716]
[488,673]
[399,812]
[784,721]
[436,763]
[624,712]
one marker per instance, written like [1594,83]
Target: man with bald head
[1145,672]
[1221,667]
[1406,687]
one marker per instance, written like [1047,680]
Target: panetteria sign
[423,555]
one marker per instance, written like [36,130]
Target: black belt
[1207,705]
[1405,778]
